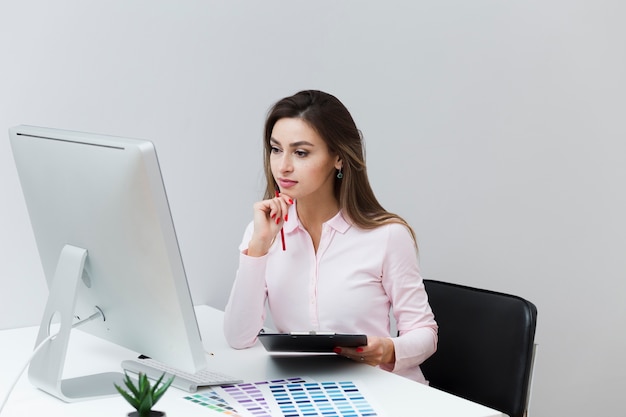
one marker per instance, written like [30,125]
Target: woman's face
[301,163]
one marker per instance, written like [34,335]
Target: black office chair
[486,346]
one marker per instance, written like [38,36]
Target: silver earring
[339,174]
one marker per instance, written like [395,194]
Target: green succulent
[143,396]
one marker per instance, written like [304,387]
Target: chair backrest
[486,345]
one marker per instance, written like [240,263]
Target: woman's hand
[378,350]
[269,216]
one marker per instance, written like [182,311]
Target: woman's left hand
[378,350]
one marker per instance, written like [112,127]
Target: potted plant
[144,396]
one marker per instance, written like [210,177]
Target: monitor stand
[46,367]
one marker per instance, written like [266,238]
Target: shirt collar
[338,222]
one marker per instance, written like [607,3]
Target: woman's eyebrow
[294,144]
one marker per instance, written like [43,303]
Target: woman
[346,262]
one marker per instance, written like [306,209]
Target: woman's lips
[285,183]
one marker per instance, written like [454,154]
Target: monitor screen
[105,196]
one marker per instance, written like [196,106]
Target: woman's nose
[285,164]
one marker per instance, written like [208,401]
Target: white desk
[396,396]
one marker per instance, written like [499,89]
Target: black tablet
[309,341]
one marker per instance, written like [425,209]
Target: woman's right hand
[269,216]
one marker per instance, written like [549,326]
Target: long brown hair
[332,121]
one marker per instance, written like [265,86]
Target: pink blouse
[349,286]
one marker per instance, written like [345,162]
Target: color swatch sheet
[239,400]
[296,397]
[252,398]
[336,399]
[212,401]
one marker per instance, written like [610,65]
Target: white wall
[495,127]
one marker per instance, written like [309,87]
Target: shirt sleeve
[245,311]
[402,281]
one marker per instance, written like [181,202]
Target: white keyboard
[183,380]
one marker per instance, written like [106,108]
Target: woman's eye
[301,153]
[274,149]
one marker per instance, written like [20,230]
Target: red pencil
[282,232]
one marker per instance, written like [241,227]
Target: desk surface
[394,395]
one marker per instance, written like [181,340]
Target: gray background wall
[495,127]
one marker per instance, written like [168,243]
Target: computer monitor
[107,243]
